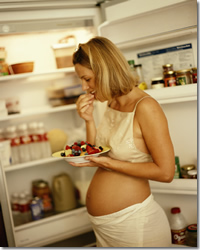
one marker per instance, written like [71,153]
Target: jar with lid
[185,169]
[194,75]
[170,78]
[183,77]
[192,174]
[157,83]
[40,188]
[167,67]
[191,235]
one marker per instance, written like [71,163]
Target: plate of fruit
[79,150]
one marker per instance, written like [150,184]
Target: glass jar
[194,75]
[185,169]
[183,77]
[157,83]
[191,235]
[167,67]
[192,174]
[3,68]
[40,188]
[170,78]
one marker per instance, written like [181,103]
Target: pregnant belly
[110,192]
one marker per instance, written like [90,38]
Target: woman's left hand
[101,161]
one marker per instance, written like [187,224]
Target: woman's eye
[87,80]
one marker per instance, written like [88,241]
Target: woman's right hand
[85,106]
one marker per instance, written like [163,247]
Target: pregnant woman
[119,202]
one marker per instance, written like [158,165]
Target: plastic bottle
[25,141]
[178,226]
[177,173]
[44,142]
[11,134]
[24,208]
[35,148]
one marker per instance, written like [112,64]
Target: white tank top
[116,131]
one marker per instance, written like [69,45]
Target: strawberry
[67,147]
[92,150]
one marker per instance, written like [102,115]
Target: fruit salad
[81,149]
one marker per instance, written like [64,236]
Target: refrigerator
[151,33]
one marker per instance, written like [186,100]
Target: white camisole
[116,131]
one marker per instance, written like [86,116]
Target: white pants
[141,225]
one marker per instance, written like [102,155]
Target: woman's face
[87,78]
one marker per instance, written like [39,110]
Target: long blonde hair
[113,77]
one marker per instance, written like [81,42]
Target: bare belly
[110,192]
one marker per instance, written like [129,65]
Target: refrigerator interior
[36,46]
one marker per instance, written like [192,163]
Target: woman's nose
[84,86]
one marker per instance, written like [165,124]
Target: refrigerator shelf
[42,232]
[176,94]
[177,186]
[39,111]
[31,164]
[35,74]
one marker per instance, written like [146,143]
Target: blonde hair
[113,77]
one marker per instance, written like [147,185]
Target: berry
[100,147]
[62,154]
[82,143]
[67,147]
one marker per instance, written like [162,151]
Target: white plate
[78,159]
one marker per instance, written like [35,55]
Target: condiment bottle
[11,134]
[177,173]
[157,83]
[170,78]
[36,150]
[178,226]
[24,208]
[194,75]
[185,169]
[167,67]
[183,77]
[25,141]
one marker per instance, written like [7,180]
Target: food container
[157,83]
[13,105]
[20,68]
[183,77]
[170,78]
[191,235]
[40,188]
[185,169]
[5,153]
[63,54]
[192,174]
[194,75]
[167,67]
